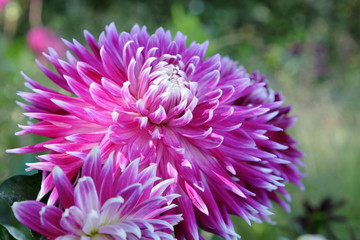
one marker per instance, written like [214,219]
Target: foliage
[318,219]
[20,188]
[4,234]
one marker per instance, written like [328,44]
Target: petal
[128,176]
[189,224]
[115,230]
[160,224]
[160,188]
[105,180]
[67,237]
[196,199]
[103,118]
[181,121]
[173,219]
[110,211]
[92,43]
[85,195]
[73,220]
[101,98]
[158,116]
[54,77]
[111,67]
[130,227]
[92,222]
[50,217]
[147,208]
[131,196]
[64,187]
[92,164]
[28,213]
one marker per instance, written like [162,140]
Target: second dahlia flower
[104,204]
[3,4]
[39,39]
[219,131]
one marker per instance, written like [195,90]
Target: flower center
[161,96]
[173,73]
[170,82]
[170,95]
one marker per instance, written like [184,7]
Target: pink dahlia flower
[104,204]
[3,4]
[219,131]
[39,39]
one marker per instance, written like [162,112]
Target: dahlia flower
[3,4]
[219,131]
[104,204]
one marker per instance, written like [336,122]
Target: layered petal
[102,206]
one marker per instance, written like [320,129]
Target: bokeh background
[308,50]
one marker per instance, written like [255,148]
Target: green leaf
[17,233]
[20,188]
[4,234]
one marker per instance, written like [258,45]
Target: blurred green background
[308,49]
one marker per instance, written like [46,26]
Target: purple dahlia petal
[92,222]
[147,177]
[67,237]
[39,102]
[31,84]
[105,180]
[92,43]
[131,195]
[128,176]
[54,77]
[80,89]
[63,186]
[101,98]
[196,199]
[72,220]
[159,189]
[28,213]
[111,209]
[188,225]
[49,218]
[85,195]
[46,185]
[145,209]
[116,230]
[71,107]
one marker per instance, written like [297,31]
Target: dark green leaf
[4,234]
[20,188]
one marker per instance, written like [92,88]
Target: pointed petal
[64,187]
[85,195]
[28,213]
